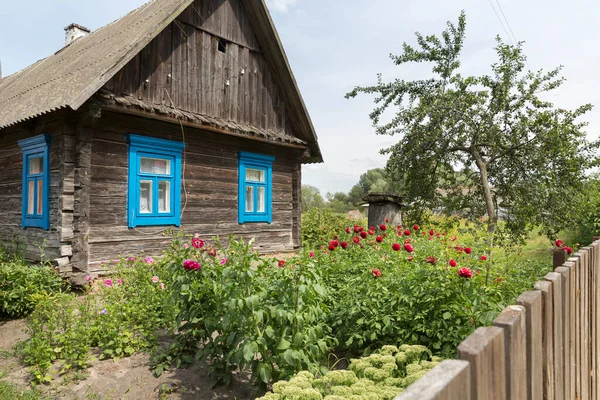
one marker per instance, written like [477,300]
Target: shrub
[120,315]
[320,224]
[22,285]
[248,312]
[380,376]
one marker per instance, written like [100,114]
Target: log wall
[546,347]
[209,193]
[34,243]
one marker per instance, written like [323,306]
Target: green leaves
[516,151]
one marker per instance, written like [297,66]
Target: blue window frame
[255,188]
[36,182]
[154,189]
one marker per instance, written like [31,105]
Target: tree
[516,150]
[374,180]
[311,198]
[338,202]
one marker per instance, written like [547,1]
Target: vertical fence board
[532,302]
[484,350]
[545,287]
[559,377]
[596,323]
[569,330]
[585,329]
[449,380]
[512,321]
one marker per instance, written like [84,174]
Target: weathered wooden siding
[56,242]
[183,68]
[209,195]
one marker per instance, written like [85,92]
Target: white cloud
[280,5]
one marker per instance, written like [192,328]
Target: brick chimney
[74,31]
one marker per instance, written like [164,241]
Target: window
[255,188]
[36,182]
[154,190]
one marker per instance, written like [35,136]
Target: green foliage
[10,391]
[22,284]
[311,198]
[248,312]
[374,180]
[318,225]
[516,150]
[380,376]
[339,202]
[120,316]
[418,297]
[587,223]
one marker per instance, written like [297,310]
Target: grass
[10,391]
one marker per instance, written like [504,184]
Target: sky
[335,45]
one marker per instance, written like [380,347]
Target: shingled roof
[72,75]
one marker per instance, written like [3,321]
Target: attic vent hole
[222,45]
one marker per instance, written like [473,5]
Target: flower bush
[268,316]
[417,285]
[22,285]
[119,315]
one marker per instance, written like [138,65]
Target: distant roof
[69,77]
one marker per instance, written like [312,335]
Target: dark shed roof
[72,75]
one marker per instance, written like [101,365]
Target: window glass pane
[249,199]
[256,175]
[145,197]
[40,186]
[30,197]
[164,196]
[156,166]
[261,199]
[36,166]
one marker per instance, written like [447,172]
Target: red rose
[281,263]
[363,234]
[371,232]
[399,233]
[468,250]
[334,243]
[387,220]
[453,238]
[465,273]
[348,230]
[407,232]
[356,239]
[558,243]
[379,239]
[483,257]
[361,229]
[431,259]
[453,263]
[416,227]
[409,247]
[191,265]
[344,245]
[197,243]
[331,248]
[376,273]
[336,237]
[356,228]
[568,249]
[410,258]
[396,247]
[382,227]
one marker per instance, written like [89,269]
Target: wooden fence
[547,346]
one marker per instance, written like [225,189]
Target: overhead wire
[512,38]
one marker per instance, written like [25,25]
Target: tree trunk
[487,192]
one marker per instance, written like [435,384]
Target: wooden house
[182,114]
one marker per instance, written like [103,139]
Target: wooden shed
[182,114]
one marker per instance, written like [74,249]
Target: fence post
[559,256]
[449,380]
[545,287]
[557,293]
[532,302]
[484,350]
[569,329]
[512,321]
